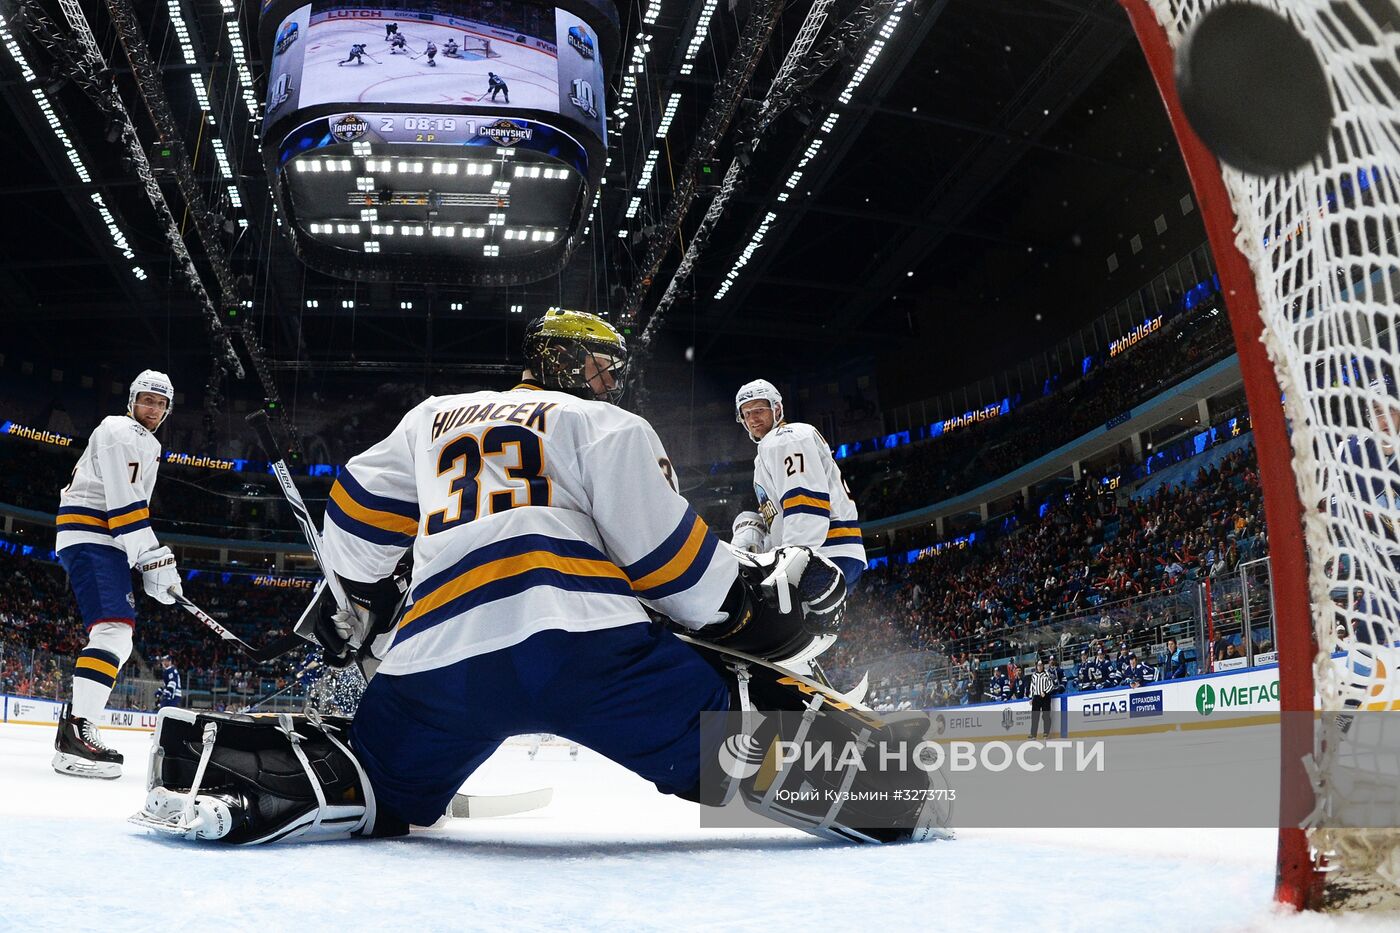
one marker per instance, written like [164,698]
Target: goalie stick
[268,652]
[262,426]
[175,814]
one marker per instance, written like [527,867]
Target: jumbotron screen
[469,53]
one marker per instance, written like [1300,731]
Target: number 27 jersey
[526,510]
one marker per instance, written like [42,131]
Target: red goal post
[1308,267]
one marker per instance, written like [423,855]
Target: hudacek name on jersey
[530,414]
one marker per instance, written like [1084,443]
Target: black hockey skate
[80,751]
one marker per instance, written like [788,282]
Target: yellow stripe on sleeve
[806,500]
[89,520]
[678,564]
[123,520]
[386,521]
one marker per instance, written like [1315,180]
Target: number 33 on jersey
[523,509]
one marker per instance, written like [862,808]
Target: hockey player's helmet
[752,392]
[560,344]
[151,380]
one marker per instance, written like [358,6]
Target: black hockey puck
[1254,90]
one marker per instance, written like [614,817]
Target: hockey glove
[372,610]
[159,576]
[780,605]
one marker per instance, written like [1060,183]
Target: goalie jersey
[526,510]
[108,500]
[802,496]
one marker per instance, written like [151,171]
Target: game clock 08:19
[437,124]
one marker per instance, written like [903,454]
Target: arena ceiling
[989,158]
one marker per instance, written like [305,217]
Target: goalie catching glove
[785,606]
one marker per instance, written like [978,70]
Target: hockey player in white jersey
[802,499]
[104,530]
[544,527]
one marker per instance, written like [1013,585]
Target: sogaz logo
[1205,700]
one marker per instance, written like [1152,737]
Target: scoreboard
[477,126]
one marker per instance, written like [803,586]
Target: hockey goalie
[559,583]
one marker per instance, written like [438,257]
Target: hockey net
[472,45]
[1310,269]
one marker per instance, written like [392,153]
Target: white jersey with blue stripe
[802,496]
[108,500]
[526,510]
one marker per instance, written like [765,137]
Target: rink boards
[1193,702]
[33,711]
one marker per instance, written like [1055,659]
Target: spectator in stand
[1042,685]
[1173,661]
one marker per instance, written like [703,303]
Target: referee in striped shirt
[1042,685]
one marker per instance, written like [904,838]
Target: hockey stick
[262,426]
[261,655]
[475,806]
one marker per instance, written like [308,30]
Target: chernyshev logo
[740,756]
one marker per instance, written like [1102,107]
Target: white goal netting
[1322,244]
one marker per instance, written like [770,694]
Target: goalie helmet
[155,382]
[559,346]
[752,392]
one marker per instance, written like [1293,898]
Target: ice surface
[533,76]
[609,852]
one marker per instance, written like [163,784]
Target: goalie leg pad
[245,780]
[855,795]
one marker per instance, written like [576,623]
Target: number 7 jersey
[526,510]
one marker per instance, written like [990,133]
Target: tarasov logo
[1205,700]
[740,756]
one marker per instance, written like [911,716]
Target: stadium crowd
[41,631]
[972,603]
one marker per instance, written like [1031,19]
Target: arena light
[649,166]
[348,304]
[867,63]
[668,115]
[517,309]
[491,249]
[752,247]
[371,246]
[702,29]
[99,203]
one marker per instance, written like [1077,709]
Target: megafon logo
[1205,700]
[740,756]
